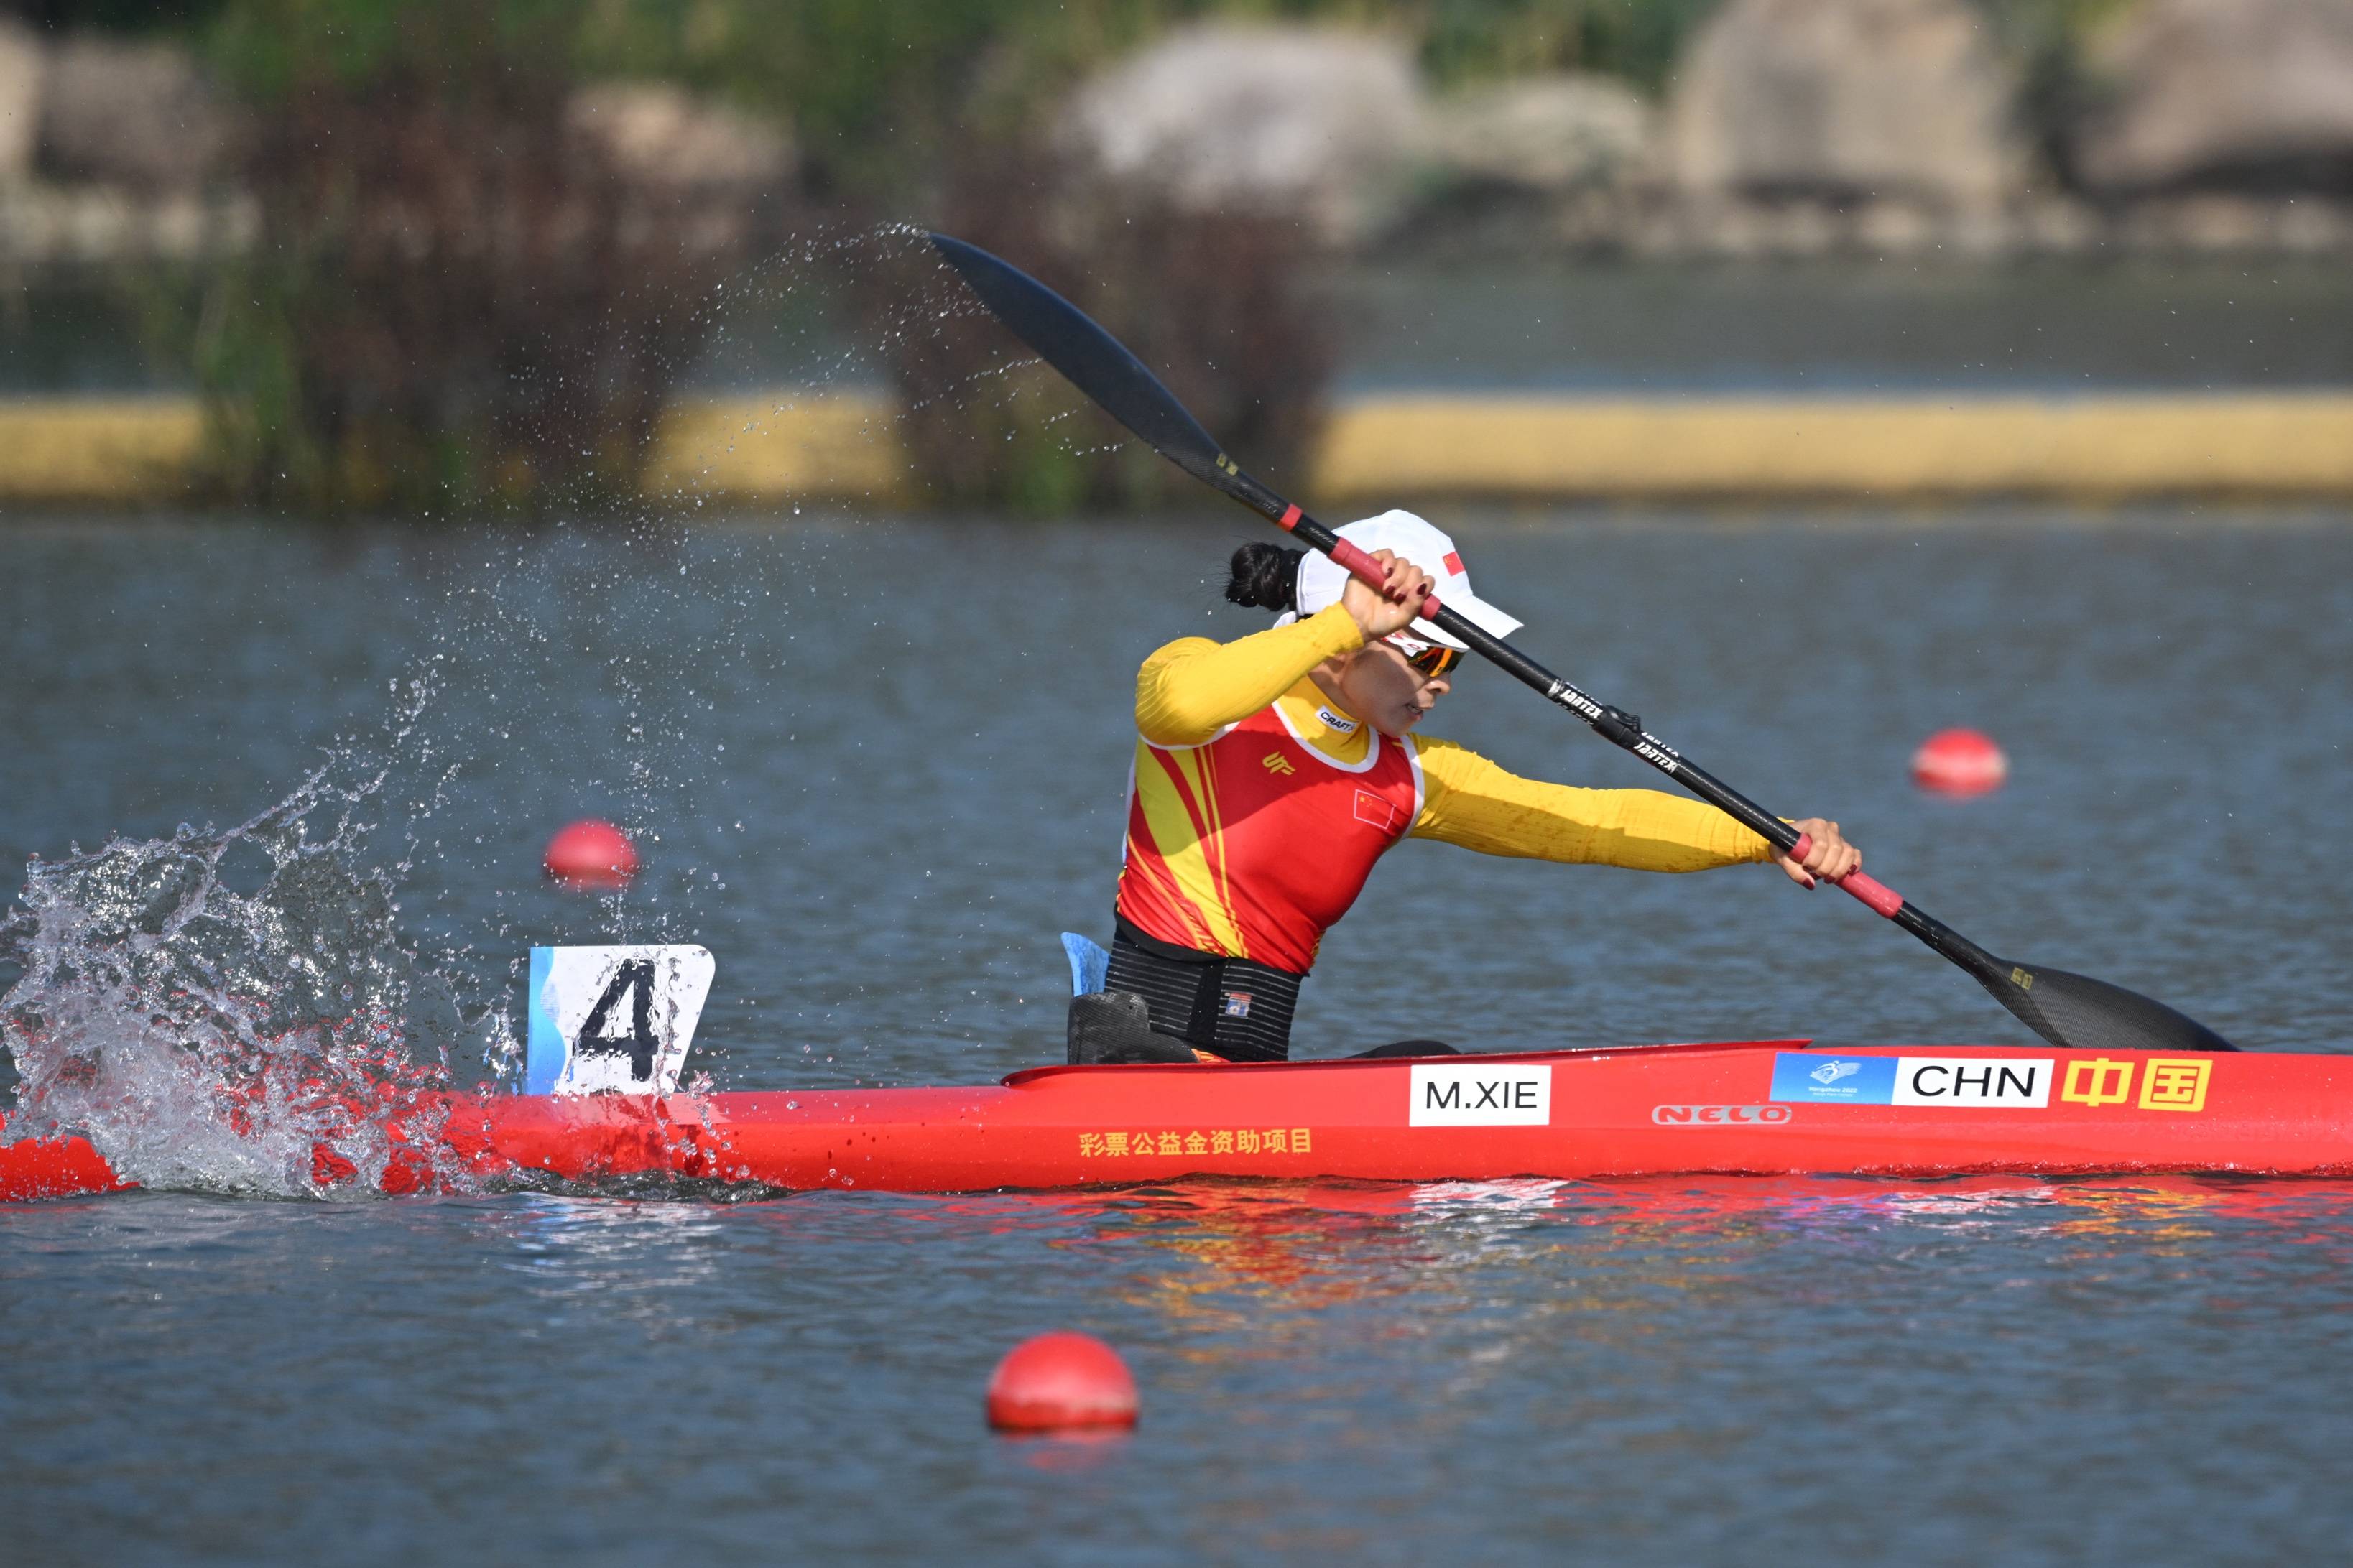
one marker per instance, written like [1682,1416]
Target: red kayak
[1756,1107]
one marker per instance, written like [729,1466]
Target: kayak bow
[1756,1107]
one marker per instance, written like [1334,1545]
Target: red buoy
[1959,761]
[1057,1381]
[592,854]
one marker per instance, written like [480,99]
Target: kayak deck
[1757,1107]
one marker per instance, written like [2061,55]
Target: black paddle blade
[2077,1012]
[1092,359]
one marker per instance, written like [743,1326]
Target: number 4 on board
[614,1020]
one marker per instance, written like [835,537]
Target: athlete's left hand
[1828,857]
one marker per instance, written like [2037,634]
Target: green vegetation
[457,297]
[1638,40]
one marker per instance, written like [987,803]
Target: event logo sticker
[1463,1095]
[1803,1077]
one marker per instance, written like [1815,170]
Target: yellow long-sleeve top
[1190,867]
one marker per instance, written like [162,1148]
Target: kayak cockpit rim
[1330,1064]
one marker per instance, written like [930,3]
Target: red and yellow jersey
[1259,809]
[1253,843]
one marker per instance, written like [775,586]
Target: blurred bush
[1219,304]
[1637,39]
[2051,41]
[460,292]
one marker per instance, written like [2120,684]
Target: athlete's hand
[1828,857]
[1392,607]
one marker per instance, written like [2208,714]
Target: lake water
[875,765]
[1861,327]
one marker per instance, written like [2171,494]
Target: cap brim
[1471,608]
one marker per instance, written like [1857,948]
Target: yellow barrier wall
[770,446]
[111,451]
[810,446]
[2250,444]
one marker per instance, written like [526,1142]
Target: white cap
[1412,538]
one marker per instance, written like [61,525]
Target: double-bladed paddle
[2071,1011]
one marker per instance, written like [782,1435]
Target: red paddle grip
[1363,566]
[1883,898]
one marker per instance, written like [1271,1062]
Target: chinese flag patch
[1454,562]
[1371,808]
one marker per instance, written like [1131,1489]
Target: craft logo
[1463,1095]
[1236,1005]
[1812,1077]
[1334,722]
[1721,1115]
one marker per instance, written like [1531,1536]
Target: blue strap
[1089,963]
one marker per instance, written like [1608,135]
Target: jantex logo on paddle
[1463,1095]
[1814,1077]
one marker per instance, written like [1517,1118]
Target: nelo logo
[1720,1115]
[1463,1095]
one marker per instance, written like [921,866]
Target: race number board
[613,1020]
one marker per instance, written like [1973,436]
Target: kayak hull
[1741,1107]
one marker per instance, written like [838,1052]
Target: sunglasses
[1429,659]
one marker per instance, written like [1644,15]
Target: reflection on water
[1241,1265]
[623,1256]
[1672,1371]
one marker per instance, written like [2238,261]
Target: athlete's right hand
[1378,612]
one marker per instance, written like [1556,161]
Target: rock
[663,138]
[138,115]
[1550,133]
[2223,223]
[20,100]
[1904,99]
[1316,120]
[2251,93]
[45,223]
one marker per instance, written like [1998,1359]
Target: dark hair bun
[1265,576]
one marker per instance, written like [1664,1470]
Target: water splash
[279,1043]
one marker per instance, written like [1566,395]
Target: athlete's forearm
[1469,801]
[1193,687]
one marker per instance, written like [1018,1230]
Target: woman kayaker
[1272,771]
